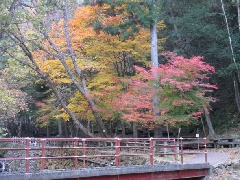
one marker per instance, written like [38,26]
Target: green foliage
[182,92]
[197,31]
[181,114]
[3,132]
[3,62]
[193,27]
[12,99]
[224,120]
[229,70]
[136,14]
[198,28]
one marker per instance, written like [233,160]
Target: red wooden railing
[120,146]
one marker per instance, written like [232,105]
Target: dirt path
[214,158]
[225,163]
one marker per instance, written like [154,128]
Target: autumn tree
[184,92]
[106,57]
[138,14]
[12,99]
[199,28]
[29,37]
[55,48]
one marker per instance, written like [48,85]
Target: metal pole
[43,154]
[178,144]
[84,152]
[151,151]
[175,150]
[181,141]
[198,137]
[75,154]
[27,155]
[117,147]
[205,149]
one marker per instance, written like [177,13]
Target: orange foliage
[96,52]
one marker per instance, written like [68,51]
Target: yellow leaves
[160,25]
[88,64]
[80,34]
[63,80]
[105,87]
[96,52]
[57,34]
[102,81]
[63,115]
[78,106]
[84,16]
[55,70]
[113,20]
[108,48]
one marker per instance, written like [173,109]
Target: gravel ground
[230,169]
[213,158]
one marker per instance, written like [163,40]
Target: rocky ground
[68,163]
[229,170]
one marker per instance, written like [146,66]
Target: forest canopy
[90,68]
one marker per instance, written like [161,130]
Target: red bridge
[101,158]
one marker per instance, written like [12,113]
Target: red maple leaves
[186,79]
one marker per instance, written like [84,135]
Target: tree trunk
[209,123]
[176,42]
[134,126]
[21,42]
[238,10]
[103,129]
[72,115]
[154,60]
[158,131]
[110,128]
[20,127]
[154,46]
[89,125]
[236,80]
[47,131]
[85,92]
[123,129]
[71,129]
[236,90]
[60,131]
[19,39]
[76,131]
[65,130]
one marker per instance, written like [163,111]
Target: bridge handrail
[139,144]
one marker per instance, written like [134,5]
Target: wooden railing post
[178,145]
[165,143]
[27,155]
[205,149]
[175,150]
[151,151]
[117,147]
[43,154]
[84,152]
[75,153]
[181,141]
